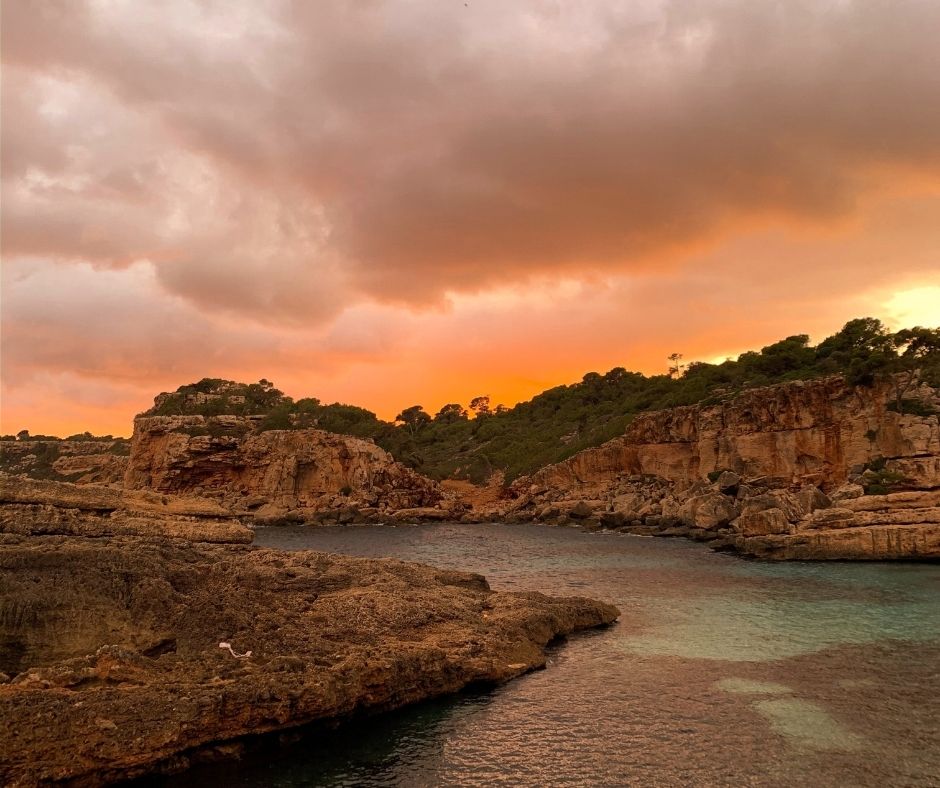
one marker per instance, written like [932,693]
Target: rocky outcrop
[81,461]
[797,470]
[300,475]
[127,656]
[33,507]
[806,432]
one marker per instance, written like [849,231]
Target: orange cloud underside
[425,202]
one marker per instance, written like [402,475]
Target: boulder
[728,482]
[708,511]
[762,522]
[847,491]
[581,510]
[811,498]
[271,514]
[425,514]
[783,500]
[613,520]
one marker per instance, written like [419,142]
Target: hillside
[564,420]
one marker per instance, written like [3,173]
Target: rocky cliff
[815,469]
[79,461]
[42,508]
[125,656]
[302,475]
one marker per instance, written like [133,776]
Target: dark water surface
[720,672]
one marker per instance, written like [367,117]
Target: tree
[918,350]
[787,355]
[451,412]
[414,418]
[675,365]
[480,405]
[262,396]
[616,375]
[861,350]
[22,435]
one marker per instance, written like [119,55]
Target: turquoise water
[720,672]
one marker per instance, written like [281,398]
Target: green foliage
[349,420]
[413,418]
[913,407]
[566,419]
[88,437]
[217,397]
[877,479]
[278,418]
[451,413]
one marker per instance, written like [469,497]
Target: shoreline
[331,636]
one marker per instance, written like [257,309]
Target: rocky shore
[815,469]
[44,508]
[806,470]
[112,666]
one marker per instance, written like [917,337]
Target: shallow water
[720,672]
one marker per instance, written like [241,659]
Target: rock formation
[32,507]
[814,469]
[123,656]
[80,461]
[300,475]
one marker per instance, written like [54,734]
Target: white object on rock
[232,651]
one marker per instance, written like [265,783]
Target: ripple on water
[750,629]
[721,672]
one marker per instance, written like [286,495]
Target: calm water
[720,672]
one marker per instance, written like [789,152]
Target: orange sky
[399,203]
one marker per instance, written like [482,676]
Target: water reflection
[721,672]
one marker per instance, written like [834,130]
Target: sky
[421,201]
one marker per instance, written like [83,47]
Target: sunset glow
[397,203]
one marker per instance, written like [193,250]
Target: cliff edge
[301,475]
[807,470]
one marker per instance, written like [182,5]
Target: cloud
[284,160]
[388,202]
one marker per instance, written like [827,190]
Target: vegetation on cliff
[566,419]
[63,459]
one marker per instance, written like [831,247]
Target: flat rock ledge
[30,507]
[111,665]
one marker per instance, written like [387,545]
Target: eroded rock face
[40,508]
[82,462]
[783,465]
[113,646]
[299,471]
[811,432]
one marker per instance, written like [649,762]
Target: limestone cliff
[806,432]
[753,473]
[299,474]
[79,461]
[31,507]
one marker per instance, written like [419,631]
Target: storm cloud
[283,163]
